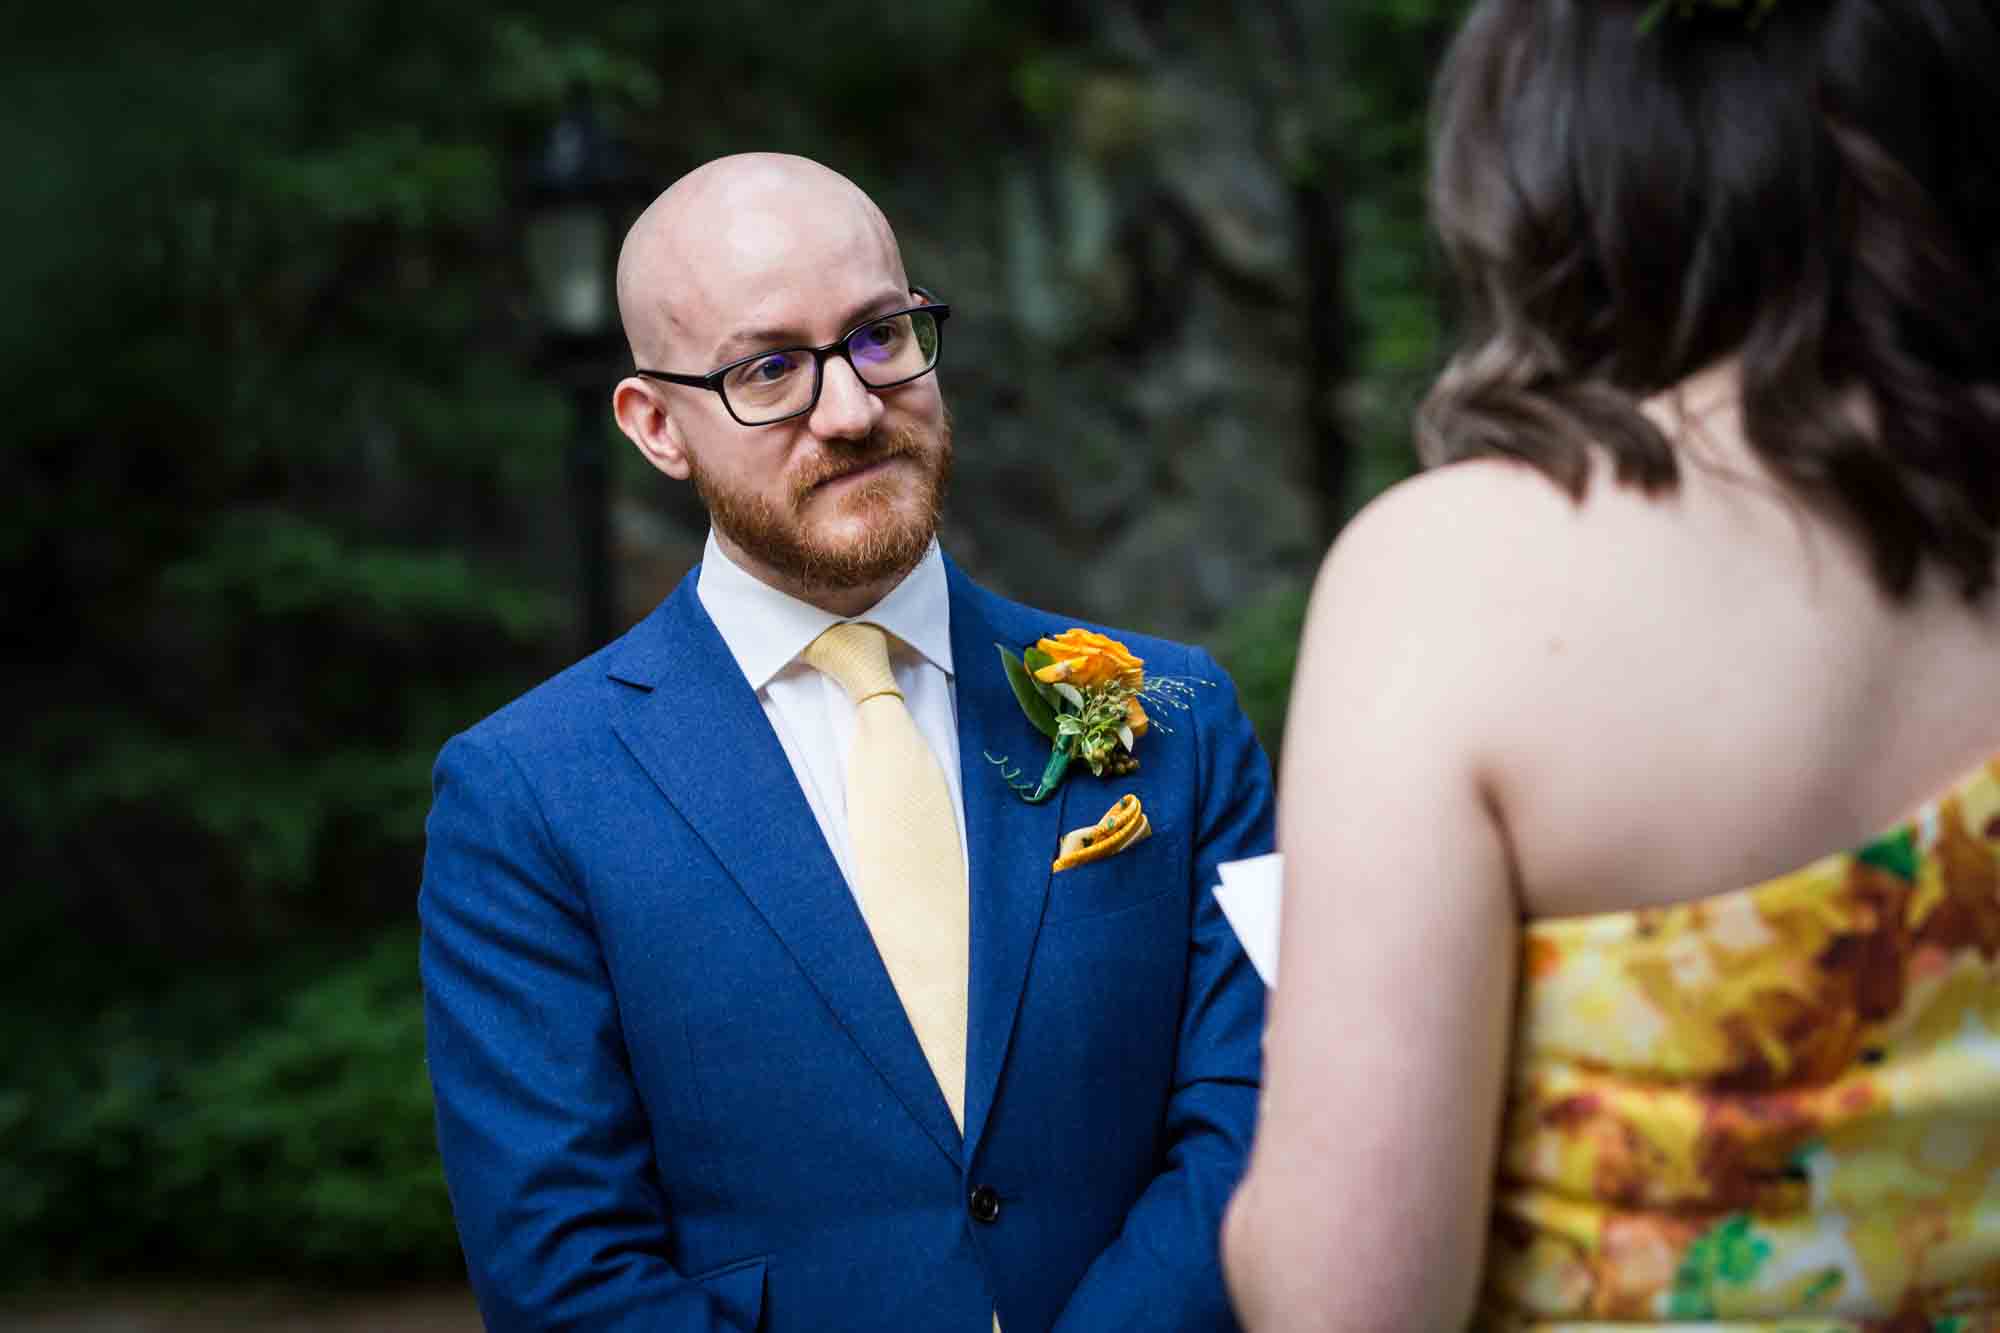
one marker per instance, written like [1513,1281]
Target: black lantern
[576,198]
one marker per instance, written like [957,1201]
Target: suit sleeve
[1163,1272]
[545,1145]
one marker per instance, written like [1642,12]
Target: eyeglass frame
[939,311]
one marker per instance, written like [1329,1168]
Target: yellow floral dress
[1778,1108]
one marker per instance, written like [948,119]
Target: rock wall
[1137,378]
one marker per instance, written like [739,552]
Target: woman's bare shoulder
[1515,612]
[1475,495]
[1437,585]
[1478,541]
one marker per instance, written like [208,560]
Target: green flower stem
[1052,772]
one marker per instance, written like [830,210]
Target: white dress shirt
[766,631]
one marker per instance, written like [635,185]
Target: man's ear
[647,423]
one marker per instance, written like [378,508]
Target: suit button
[985,1204]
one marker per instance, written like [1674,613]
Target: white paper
[1250,893]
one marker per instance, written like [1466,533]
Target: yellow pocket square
[1123,825]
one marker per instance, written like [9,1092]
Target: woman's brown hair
[1816,191]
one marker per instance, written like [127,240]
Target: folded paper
[1250,894]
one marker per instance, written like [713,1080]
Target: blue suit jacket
[676,1090]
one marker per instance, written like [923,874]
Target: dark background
[290,464]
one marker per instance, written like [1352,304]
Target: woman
[1706,594]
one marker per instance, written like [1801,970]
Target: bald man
[755,999]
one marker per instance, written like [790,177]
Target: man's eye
[767,370]
[877,342]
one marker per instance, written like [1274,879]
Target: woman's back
[1727,1102]
[1706,595]
[1706,690]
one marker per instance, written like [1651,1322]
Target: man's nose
[847,408]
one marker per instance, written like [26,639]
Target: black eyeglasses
[767,387]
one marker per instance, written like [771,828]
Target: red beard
[899,525]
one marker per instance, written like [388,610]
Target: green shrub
[249,1125]
[1259,646]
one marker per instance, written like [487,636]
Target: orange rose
[1084,659]
[1136,719]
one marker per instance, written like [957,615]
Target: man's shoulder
[541,707]
[571,704]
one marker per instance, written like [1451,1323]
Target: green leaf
[1730,1252]
[1071,695]
[1895,853]
[1740,1252]
[1037,708]
[1824,1286]
[1035,659]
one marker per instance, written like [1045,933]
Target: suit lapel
[701,735]
[1011,843]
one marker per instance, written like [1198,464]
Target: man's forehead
[775,243]
[754,242]
[781,274]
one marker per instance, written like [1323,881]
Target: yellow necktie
[909,868]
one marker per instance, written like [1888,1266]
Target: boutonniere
[1088,694]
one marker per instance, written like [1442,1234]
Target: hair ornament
[1756,10]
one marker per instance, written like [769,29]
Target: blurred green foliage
[1375,111]
[278,465]
[1259,646]
[272,1122]
[273,458]
[1365,98]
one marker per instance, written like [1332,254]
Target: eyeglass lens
[883,353]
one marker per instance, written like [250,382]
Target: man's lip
[865,470]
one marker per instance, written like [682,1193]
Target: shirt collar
[766,629]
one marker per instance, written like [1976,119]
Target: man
[740,1016]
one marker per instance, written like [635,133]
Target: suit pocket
[739,1289]
[1129,878]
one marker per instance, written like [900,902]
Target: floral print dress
[1778,1108]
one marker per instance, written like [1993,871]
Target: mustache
[878,448]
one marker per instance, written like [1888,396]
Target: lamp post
[577,195]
